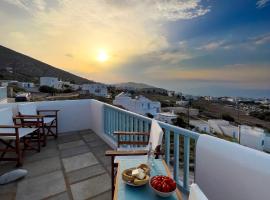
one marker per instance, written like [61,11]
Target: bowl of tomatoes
[163,186]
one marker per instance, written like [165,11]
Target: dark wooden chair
[49,119]
[12,134]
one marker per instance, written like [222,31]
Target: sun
[102,56]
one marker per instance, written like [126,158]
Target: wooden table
[126,192]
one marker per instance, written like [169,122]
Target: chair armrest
[131,133]
[28,117]
[48,111]
[10,126]
[38,120]
[125,153]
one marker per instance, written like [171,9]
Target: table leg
[112,175]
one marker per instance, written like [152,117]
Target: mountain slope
[133,85]
[26,68]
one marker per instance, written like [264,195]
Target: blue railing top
[166,126]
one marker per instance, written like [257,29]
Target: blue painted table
[126,192]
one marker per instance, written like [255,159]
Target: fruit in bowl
[163,186]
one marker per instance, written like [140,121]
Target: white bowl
[162,194]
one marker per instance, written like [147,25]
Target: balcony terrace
[63,170]
[74,166]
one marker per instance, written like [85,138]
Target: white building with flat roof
[215,125]
[50,81]
[166,117]
[96,89]
[140,104]
[200,125]
[187,111]
[26,84]
[171,93]
[252,137]
[223,127]
[182,103]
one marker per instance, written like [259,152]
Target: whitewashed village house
[171,93]
[254,138]
[26,84]
[96,89]
[182,103]
[166,117]
[58,84]
[140,104]
[248,136]
[200,125]
[50,81]
[223,127]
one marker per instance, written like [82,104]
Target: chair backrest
[226,170]
[196,193]
[156,134]
[6,117]
[27,109]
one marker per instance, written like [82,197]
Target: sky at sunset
[199,47]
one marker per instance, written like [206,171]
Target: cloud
[18,3]
[247,43]
[170,10]
[31,6]
[124,29]
[262,3]
[178,9]
[69,55]
[211,45]
[262,39]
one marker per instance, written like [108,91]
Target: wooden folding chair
[49,119]
[135,145]
[12,133]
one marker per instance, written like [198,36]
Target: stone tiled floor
[71,167]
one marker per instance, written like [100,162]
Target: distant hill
[133,85]
[17,66]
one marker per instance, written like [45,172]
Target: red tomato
[173,185]
[166,188]
[154,183]
[163,183]
[158,186]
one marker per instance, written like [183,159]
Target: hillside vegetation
[26,68]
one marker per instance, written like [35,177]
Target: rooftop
[63,169]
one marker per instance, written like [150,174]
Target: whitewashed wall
[73,115]
[266,146]
[12,106]
[97,121]
[229,171]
